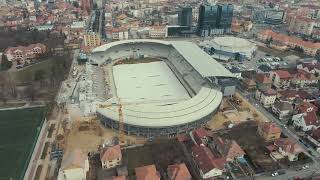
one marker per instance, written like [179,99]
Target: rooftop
[147,173]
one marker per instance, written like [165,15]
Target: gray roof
[200,60]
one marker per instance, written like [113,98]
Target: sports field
[18,131]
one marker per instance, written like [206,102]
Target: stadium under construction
[172,94]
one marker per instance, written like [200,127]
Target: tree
[5,63]
[269,41]
[317,56]
[39,75]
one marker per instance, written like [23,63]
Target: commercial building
[215,19]
[229,48]
[185,16]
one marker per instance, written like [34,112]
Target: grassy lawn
[47,67]
[18,131]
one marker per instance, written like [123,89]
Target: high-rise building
[185,16]
[215,19]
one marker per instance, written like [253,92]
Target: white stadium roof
[166,114]
[201,61]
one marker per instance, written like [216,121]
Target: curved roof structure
[201,61]
[165,114]
[186,97]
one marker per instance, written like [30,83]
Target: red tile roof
[306,106]
[288,145]
[270,128]
[311,119]
[178,172]
[283,74]
[199,134]
[147,173]
[269,92]
[205,159]
[110,153]
[264,79]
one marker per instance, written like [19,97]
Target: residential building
[281,79]
[293,95]
[147,173]
[266,96]
[74,166]
[111,157]
[215,19]
[308,47]
[208,165]
[310,67]
[306,117]
[185,16]
[285,147]
[269,131]
[120,34]
[249,84]
[199,136]
[263,81]
[303,79]
[22,54]
[282,109]
[301,25]
[229,149]
[92,39]
[178,172]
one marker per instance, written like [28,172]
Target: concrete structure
[228,47]
[111,157]
[266,97]
[74,166]
[154,102]
[302,25]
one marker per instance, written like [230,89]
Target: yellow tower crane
[121,134]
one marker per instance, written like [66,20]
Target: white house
[307,121]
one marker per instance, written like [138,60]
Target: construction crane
[121,136]
[121,125]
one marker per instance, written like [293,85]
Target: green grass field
[18,131]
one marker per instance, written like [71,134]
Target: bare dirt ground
[234,115]
[88,136]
